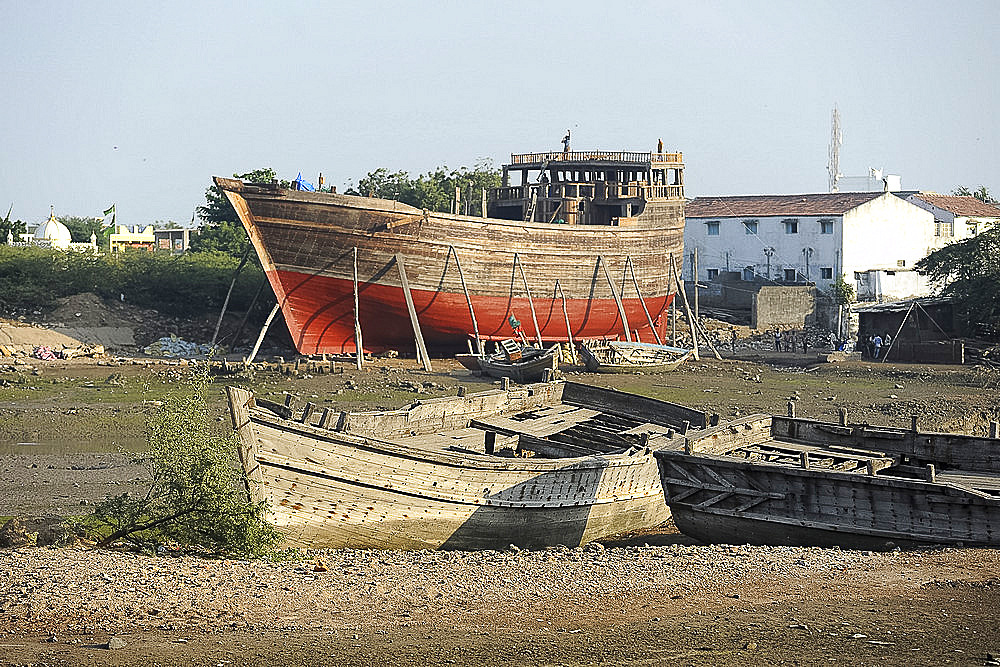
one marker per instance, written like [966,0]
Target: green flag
[111,212]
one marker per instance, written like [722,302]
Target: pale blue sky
[141,103]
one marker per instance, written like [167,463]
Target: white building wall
[886,233]
[808,251]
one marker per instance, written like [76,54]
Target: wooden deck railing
[589,190]
[607,156]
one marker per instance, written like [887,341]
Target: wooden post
[531,302]
[995,429]
[673,309]
[618,301]
[931,473]
[569,329]
[694,270]
[635,281]
[417,335]
[843,416]
[791,409]
[687,309]
[804,459]
[491,442]
[263,331]
[358,345]
[225,303]
[484,202]
[468,300]
[913,423]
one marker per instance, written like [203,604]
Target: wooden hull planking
[351,488]
[306,244]
[848,496]
[601,357]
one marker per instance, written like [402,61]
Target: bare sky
[141,103]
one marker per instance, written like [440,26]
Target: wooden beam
[260,338]
[359,348]
[635,281]
[468,300]
[687,309]
[618,301]
[417,335]
[531,303]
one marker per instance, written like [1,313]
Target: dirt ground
[933,607]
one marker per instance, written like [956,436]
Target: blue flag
[303,185]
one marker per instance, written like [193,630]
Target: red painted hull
[320,315]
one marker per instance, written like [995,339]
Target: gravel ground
[595,605]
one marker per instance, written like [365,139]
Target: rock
[320,566]
[15,534]
[115,643]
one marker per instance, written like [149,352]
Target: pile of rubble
[172,346]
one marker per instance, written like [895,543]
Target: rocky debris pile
[45,531]
[172,346]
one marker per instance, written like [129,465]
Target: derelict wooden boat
[455,472]
[786,481]
[521,363]
[583,220]
[613,356]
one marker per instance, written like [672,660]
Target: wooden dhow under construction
[534,465]
[579,248]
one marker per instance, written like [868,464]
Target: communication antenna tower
[836,140]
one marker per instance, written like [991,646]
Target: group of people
[873,345]
[789,341]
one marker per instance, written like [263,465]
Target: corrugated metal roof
[960,205]
[836,203]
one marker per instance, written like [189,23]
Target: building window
[901,263]
[942,228]
[973,227]
[826,226]
[789,275]
[713,228]
[750,226]
[713,274]
[791,226]
[826,273]
[748,273]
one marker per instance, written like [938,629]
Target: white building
[956,217]
[806,238]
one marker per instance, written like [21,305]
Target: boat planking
[786,481]
[588,221]
[535,465]
[612,356]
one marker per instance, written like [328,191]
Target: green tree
[196,494]
[222,230]
[843,291]
[980,193]
[435,190]
[80,230]
[969,271]
[15,228]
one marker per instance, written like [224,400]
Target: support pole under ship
[585,205]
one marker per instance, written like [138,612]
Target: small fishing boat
[786,481]
[521,362]
[614,356]
[535,465]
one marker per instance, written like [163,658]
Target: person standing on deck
[565,142]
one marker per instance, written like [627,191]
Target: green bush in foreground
[197,496]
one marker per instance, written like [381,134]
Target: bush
[182,285]
[197,495]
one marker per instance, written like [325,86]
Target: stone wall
[793,306]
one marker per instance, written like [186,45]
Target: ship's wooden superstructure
[577,249]
[536,465]
[787,481]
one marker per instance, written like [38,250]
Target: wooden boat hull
[306,244]
[522,372]
[652,358]
[338,488]
[716,496]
